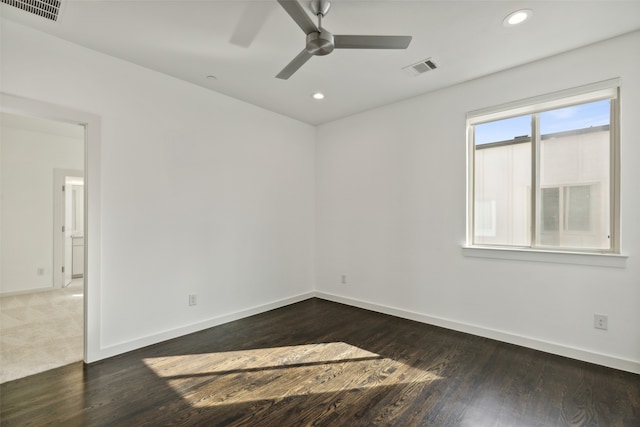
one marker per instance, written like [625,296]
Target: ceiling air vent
[48,9]
[420,67]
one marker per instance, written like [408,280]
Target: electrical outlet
[193,299]
[343,279]
[600,321]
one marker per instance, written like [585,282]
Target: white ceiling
[246,43]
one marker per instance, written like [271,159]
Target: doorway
[68,226]
[73,228]
[93,350]
[42,316]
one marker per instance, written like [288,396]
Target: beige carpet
[40,331]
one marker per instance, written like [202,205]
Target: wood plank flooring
[326,364]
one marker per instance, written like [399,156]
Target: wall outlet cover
[601,321]
[193,299]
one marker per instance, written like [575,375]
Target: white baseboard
[117,349]
[536,344]
[27,291]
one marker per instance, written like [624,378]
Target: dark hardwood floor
[322,363]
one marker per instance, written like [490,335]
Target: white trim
[538,255]
[533,343]
[607,89]
[26,291]
[124,347]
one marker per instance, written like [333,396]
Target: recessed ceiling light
[212,77]
[517,17]
[318,95]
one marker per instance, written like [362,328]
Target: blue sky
[563,119]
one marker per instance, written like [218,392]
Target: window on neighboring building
[543,172]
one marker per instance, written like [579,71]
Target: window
[543,172]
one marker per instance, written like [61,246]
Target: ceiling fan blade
[295,11]
[251,22]
[294,65]
[371,42]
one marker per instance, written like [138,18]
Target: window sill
[535,255]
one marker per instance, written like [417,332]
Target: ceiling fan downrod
[320,43]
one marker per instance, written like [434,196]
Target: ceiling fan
[322,42]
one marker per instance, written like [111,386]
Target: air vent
[420,67]
[48,9]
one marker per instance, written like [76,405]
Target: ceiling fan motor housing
[320,43]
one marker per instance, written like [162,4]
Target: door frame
[92,123]
[59,213]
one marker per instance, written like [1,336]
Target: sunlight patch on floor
[224,378]
[263,358]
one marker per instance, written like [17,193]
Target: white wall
[391,199]
[200,193]
[30,153]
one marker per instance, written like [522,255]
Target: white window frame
[606,90]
